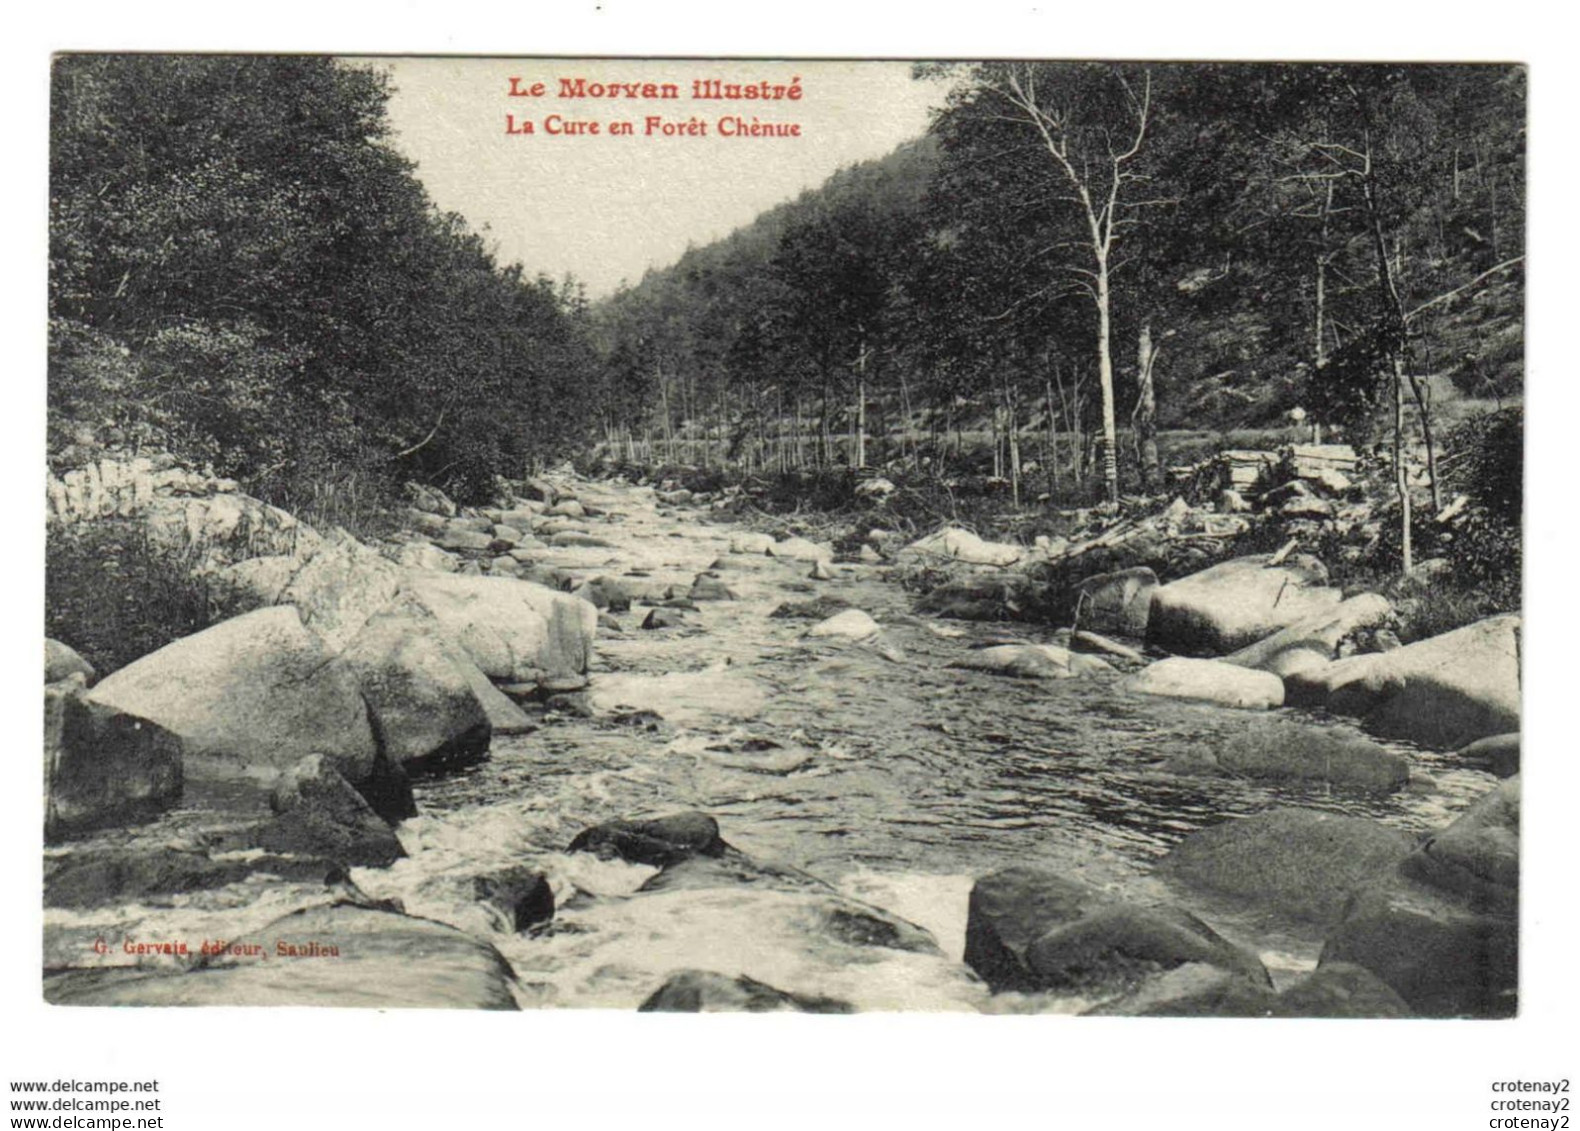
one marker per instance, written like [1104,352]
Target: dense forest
[1081,256]
[1080,271]
[245,271]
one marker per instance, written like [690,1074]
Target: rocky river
[866,775]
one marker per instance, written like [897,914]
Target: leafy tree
[1071,140]
[242,268]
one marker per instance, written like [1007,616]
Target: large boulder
[504,716]
[1236,603]
[320,815]
[983,595]
[1193,989]
[219,530]
[513,630]
[255,583]
[1030,928]
[1298,864]
[430,500]
[101,877]
[1009,910]
[1311,682]
[658,842]
[1117,942]
[1119,602]
[1209,681]
[521,516]
[458,536]
[703,991]
[423,709]
[1440,954]
[549,527]
[339,954]
[1499,754]
[423,555]
[103,765]
[1031,661]
[1477,858]
[960,545]
[339,587]
[852,624]
[1275,749]
[747,542]
[1442,692]
[1340,989]
[1315,639]
[248,698]
[1201,990]
[539,490]
[61,661]
[801,550]
[428,525]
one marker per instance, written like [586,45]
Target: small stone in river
[1210,681]
[521,895]
[663,618]
[575,704]
[817,609]
[852,624]
[820,571]
[710,588]
[658,842]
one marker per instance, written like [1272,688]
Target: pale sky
[606,208]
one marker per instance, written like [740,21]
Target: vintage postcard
[741,534]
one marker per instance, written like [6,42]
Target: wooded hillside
[1081,249]
[244,271]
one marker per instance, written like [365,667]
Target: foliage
[1487,455]
[245,271]
[1247,243]
[115,596]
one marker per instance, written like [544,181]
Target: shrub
[1486,459]
[114,596]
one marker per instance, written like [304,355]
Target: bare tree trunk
[1145,416]
[1105,382]
[1401,473]
[663,397]
[1072,417]
[906,424]
[1053,443]
[1395,345]
[1493,180]
[1101,198]
[1423,401]
[1322,259]
[1014,449]
[861,404]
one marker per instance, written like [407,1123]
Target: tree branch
[1442,298]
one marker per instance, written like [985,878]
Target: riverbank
[869,774]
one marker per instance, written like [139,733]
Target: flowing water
[877,768]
